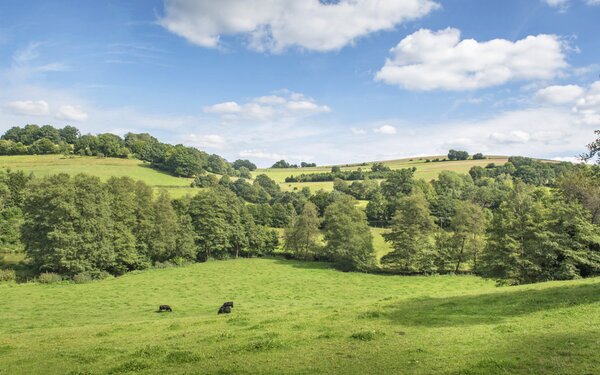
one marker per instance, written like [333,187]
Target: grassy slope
[104,168]
[294,317]
[425,170]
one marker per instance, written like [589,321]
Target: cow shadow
[489,308]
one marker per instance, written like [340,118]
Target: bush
[49,278]
[7,276]
[82,278]
[87,276]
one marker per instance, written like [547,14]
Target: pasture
[298,318]
[426,171]
[42,165]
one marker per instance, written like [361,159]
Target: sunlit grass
[298,317]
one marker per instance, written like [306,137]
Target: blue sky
[329,82]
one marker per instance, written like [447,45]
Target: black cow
[163,308]
[226,308]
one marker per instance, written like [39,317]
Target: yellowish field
[426,171]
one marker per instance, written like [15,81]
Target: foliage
[411,236]
[349,243]
[302,234]
[457,155]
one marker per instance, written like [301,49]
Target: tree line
[178,160]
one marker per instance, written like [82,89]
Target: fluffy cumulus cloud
[71,113]
[385,129]
[274,25]
[584,101]
[559,94]
[29,107]
[283,105]
[429,60]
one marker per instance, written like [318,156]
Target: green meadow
[43,165]
[298,318]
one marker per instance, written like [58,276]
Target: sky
[308,80]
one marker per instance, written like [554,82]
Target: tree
[243,163]
[67,225]
[69,134]
[593,149]
[271,187]
[411,236]
[123,207]
[583,186]
[478,156]
[301,236]
[281,164]
[468,226]
[43,146]
[536,237]
[398,184]
[336,169]
[165,229]
[377,210]
[348,237]
[217,225]
[457,155]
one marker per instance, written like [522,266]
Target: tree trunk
[462,248]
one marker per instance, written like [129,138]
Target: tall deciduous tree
[348,237]
[302,235]
[411,236]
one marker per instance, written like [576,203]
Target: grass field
[426,171]
[298,318]
[43,165]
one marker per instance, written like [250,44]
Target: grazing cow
[226,308]
[163,308]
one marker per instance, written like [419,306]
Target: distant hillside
[425,170]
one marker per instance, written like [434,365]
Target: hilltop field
[298,318]
[42,165]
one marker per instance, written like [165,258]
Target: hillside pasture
[426,171]
[104,168]
[298,318]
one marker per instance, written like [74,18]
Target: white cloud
[261,154]
[205,141]
[71,113]
[385,129]
[358,131]
[29,107]
[284,105]
[428,60]
[515,136]
[223,108]
[588,106]
[274,25]
[563,4]
[559,94]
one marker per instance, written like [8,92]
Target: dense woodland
[522,222]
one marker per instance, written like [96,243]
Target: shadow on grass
[557,353]
[489,308]
[309,265]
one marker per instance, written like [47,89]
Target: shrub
[82,278]
[7,276]
[49,278]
